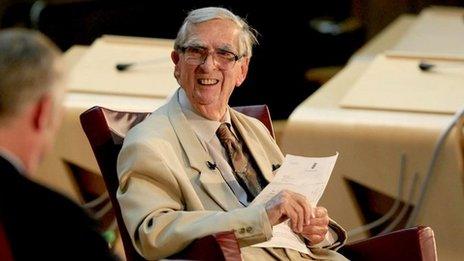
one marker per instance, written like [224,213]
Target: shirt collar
[204,128]
[13,160]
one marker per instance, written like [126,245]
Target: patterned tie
[239,159]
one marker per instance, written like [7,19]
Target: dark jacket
[44,225]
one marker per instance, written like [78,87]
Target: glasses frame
[183,49]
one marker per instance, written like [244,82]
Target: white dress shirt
[205,129]
[13,159]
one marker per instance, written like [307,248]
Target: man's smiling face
[207,85]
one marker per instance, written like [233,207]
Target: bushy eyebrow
[227,48]
[195,43]
[199,44]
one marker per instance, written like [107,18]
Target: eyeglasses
[224,60]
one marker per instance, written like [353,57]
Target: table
[71,144]
[371,142]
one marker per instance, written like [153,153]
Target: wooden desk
[371,144]
[71,145]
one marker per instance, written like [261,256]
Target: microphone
[426,67]
[125,66]
[275,167]
[211,165]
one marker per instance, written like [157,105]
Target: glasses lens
[194,55]
[223,59]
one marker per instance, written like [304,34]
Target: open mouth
[207,81]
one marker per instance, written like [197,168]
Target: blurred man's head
[211,56]
[31,93]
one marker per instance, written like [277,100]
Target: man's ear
[42,112]
[243,71]
[175,57]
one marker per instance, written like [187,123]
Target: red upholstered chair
[106,130]
[5,250]
[412,244]
[260,112]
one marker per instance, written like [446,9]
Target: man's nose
[209,63]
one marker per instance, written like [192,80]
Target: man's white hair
[247,35]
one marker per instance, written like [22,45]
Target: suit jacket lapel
[211,180]
[254,146]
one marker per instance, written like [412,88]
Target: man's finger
[315,230]
[301,207]
[304,203]
[292,215]
[300,214]
[313,212]
[315,239]
[321,211]
[319,221]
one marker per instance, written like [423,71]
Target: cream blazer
[168,194]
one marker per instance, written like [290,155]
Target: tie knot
[224,133]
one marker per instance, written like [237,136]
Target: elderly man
[40,224]
[171,192]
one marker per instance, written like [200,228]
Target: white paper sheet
[305,175]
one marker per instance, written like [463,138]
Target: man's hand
[290,205]
[317,229]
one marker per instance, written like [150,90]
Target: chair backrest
[260,112]
[106,130]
